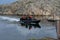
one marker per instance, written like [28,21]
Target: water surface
[10,29]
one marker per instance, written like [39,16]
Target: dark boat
[30,23]
[51,20]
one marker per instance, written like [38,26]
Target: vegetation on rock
[32,7]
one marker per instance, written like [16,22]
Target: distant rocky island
[32,7]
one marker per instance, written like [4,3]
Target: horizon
[7,1]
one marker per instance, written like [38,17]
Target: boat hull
[52,20]
[30,23]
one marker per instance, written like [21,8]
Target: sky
[6,1]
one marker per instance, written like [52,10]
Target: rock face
[32,7]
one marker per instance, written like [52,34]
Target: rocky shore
[43,8]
